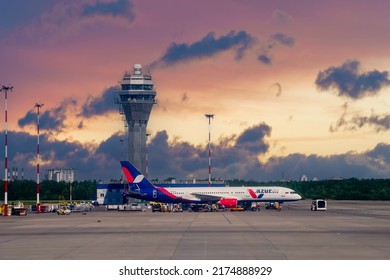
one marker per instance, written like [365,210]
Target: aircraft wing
[207,197]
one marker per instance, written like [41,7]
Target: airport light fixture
[147,156]
[38,106]
[209,116]
[121,158]
[6,89]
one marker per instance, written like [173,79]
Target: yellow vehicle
[238,208]
[273,206]
[156,206]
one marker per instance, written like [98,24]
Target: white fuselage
[247,194]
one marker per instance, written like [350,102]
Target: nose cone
[299,197]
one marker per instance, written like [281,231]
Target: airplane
[227,197]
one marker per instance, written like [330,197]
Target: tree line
[49,190]
[347,189]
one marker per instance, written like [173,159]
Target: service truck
[318,205]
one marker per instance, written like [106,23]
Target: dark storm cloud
[348,81]
[265,59]
[50,119]
[29,119]
[177,159]
[17,16]
[100,105]
[231,159]
[232,156]
[54,119]
[293,166]
[208,46]
[378,122]
[90,162]
[380,155]
[122,8]
[252,139]
[268,48]
[22,152]
[283,39]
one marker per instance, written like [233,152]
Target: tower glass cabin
[136,98]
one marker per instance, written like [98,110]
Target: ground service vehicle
[63,210]
[238,208]
[318,205]
[130,207]
[19,209]
[156,207]
[111,207]
[273,206]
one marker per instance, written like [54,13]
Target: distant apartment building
[60,175]
[304,178]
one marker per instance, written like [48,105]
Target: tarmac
[348,230]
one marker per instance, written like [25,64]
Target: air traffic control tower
[136,98]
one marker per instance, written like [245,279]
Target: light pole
[209,116]
[121,158]
[38,106]
[147,156]
[5,89]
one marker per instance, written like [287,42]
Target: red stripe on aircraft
[129,177]
[167,193]
[252,193]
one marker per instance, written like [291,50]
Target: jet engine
[228,202]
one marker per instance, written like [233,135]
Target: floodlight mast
[38,106]
[147,156]
[209,116]
[5,89]
[121,158]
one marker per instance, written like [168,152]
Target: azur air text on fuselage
[263,191]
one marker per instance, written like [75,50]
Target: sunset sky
[297,87]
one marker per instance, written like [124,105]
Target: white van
[318,205]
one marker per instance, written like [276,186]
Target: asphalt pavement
[348,230]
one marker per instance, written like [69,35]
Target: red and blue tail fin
[134,176]
[142,188]
[130,171]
